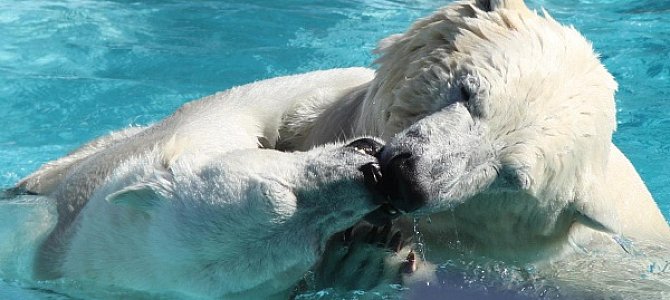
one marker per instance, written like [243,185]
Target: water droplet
[418,238]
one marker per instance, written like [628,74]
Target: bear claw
[366,146]
[409,264]
[372,175]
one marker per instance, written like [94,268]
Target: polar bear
[193,206]
[499,126]
[247,224]
[507,120]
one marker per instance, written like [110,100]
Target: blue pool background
[74,70]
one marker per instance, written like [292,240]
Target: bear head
[489,105]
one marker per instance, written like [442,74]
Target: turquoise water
[73,70]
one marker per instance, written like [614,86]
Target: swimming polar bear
[248,224]
[512,154]
[191,207]
[499,125]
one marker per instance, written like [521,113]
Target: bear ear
[139,196]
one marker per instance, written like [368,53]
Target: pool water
[72,70]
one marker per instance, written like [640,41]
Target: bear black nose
[366,146]
[401,182]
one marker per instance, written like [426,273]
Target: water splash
[417,238]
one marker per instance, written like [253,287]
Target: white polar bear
[499,124]
[190,207]
[508,119]
[246,225]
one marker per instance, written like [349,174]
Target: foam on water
[71,70]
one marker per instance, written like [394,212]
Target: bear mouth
[386,212]
[373,179]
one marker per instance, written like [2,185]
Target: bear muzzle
[392,180]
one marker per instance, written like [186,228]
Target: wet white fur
[522,167]
[525,170]
[248,224]
[191,207]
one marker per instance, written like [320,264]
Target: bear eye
[486,5]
